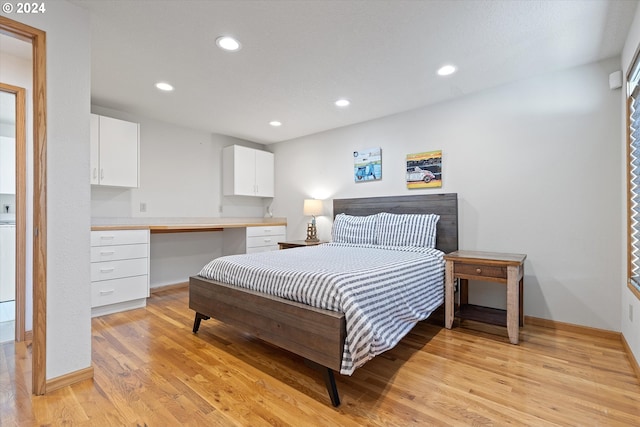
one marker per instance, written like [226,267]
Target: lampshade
[312,207]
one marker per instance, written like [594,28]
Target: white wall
[180,177]
[630,329]
[17,72]
[68,196]
[537,171]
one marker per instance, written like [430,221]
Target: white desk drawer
[257,241]
[119,237]
[116,269]
[263,249]
[112,253]
[266,231]
[119,290]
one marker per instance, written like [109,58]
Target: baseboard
[68,379]
[632,359]
[169,287]
[570,327]
[601,333]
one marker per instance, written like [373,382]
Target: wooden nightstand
[297,244]
[491,267]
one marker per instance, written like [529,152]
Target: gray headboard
[445,205]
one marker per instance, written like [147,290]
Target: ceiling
[299,56]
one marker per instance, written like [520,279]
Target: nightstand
[297,244]
[502,268]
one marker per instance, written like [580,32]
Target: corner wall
[537,171]
[68,197]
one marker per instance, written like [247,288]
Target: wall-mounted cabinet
[247,172]
[115,152]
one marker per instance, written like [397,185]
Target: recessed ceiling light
[228,43]
[164,86]
[275,123]
[342,103]
[447,70]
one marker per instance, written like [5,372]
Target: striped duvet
[382,290]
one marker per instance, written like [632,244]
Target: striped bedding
[382,290]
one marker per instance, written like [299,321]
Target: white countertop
[177,224]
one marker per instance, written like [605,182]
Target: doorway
[37,38]
[13,215]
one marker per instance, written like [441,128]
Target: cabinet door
[7,263]
[95,149]
[7,165]
[264,174]
[247,172]
[118,152]
[243,167]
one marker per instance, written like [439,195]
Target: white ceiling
[299,56]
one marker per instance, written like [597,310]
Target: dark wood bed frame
[315,334]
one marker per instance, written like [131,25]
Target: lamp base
[312,235]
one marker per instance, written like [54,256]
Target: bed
[319,334]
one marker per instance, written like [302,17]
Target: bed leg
[196,322]
[329,381]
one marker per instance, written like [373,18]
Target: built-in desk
[184,226]
[121,252]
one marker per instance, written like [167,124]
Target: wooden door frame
[37,38]
[21,208]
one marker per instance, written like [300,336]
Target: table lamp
[312,207]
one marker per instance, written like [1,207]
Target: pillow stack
[386,229]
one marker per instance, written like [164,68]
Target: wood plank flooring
[151,370]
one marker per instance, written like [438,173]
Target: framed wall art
[367,165]
[424,170]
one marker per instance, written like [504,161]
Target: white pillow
[354,229]
[407,229]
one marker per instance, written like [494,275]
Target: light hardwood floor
[150,369]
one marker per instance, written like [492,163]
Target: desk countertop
[175,225]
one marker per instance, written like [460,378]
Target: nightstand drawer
[480,270]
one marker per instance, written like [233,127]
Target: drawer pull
[267,240]
[107,252]
[478,270]
[107,270]
[108,237]
[110,291]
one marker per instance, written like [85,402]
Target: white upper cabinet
[247,172]
[115,151]
[95,149]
